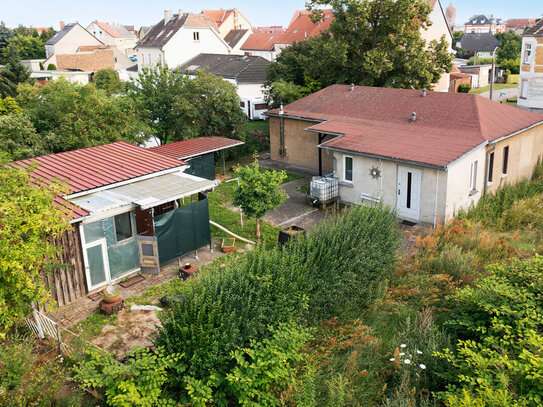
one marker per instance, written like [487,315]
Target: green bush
[464,88]
[480,61]
[338,267]
[498,322]
[137,382]
[16,361]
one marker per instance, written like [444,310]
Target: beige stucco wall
[459,194]
[386,187]
[531,75]
[71,42]
[524,150]
[301,145]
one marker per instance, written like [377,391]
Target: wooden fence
[67,283]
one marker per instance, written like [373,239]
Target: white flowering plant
[411,360]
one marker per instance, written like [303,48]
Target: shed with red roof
[124,204]
[428,154]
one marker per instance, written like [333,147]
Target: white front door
[97,264]
[409,192]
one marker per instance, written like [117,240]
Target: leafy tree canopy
[178,108]
[108,80]
[372,43]
[258,191]
[28,46]
[510,46]
[19,139]
[5,35]
[27,219]
[9,105]
[13,73]
[71,116]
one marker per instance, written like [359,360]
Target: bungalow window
[123,227]
[261,106]
[348,169]
[528,54]
[196,35]
[242,104]
[505,160]
[473,176]
[490,167]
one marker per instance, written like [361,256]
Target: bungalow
[483,45]
[125,213]
[247,73]
[427,154]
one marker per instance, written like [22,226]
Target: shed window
[261,106]
[348,169]
[242,104]
[505,160]
[123,227]
[196,35]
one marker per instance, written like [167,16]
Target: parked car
[134,58]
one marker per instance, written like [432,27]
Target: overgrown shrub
[500,340]
[338,267]
[464,88]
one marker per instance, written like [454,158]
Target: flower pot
[228,244]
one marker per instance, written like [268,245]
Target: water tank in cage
[324,188]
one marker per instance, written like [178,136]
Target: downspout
[487,167]
[282,150]
[333,157]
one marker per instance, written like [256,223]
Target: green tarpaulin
[203,166]
[182,231]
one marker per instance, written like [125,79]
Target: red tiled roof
[219,16]
[197,146]
[376,121]
[107,28]
[99,166]
[301,27]
[260,41]
[520,22]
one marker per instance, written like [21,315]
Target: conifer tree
[13,74]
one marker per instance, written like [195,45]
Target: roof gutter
[518,132]
[293,117]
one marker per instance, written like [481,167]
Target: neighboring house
[125,214]
[260,44]
[120,60]
[114,35]
[69,39]
[79,77]
[228,20]
[301,27]
[236,38]
[198,153]
[142,32]
[531,69]
[483,45]
[482,24]
[519,25]
[178,38]
[248,73]
[93,61]
[33,64]
[427,154]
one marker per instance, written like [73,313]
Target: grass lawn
[497,86]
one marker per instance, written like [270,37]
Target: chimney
[351,89]
[413,117]
[168,14]
[424,93]
[281,109]
[180,11]
[62,25]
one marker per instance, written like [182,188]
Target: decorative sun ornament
[375,173]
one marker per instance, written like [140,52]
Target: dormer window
[196,35]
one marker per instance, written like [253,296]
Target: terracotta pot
[111,300]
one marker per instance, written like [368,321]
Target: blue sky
[275,12]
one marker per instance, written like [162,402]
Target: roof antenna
[424,93]
[281,109]
[352,87]
[413,117]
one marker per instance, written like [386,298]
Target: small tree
[28,218]
[108,80]
[258,191]
[13,73]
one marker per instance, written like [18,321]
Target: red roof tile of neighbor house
[219,16]
[260,41]
[301,27]
[95,167]
[377,122]
[194,147]
[520,22]
[107,28]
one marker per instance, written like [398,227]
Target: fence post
[37,322]
[59,340]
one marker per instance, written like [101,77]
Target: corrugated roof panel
[193,147]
